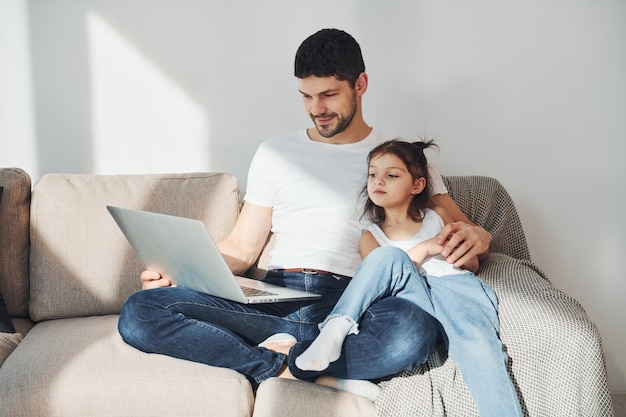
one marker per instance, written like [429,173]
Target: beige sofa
[65,271]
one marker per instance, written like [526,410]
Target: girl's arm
[417,253]
[420,251]
[367,244]
[472,263]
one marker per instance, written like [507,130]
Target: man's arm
[462,239]
[244,244]
[240,248]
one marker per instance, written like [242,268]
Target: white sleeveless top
[431,225]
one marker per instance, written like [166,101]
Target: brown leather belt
[312,271]
[306,271]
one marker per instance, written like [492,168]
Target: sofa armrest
[8,343]
[14,240]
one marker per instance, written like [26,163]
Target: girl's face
[389,183]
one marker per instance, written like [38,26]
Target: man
[304,188]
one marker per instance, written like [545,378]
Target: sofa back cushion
[14,240]
[81,264]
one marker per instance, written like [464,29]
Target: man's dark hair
[327,53]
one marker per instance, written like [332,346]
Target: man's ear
[360,87]
[419,185]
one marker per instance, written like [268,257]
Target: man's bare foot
[285,373]
[362,388]
[278,339]
[327,381]
[281,346]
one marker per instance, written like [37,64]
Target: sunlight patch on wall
[18,142]
[142,121]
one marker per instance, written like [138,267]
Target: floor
[619,404]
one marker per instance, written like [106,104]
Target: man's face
[330,103]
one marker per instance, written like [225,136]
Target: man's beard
[342,122]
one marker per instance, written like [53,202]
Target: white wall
[532,93]
[17,127]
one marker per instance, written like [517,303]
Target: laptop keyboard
[253,292]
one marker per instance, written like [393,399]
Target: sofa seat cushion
[81,367]
[278,397]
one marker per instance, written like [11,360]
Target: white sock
[326,347]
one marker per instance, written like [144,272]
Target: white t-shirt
[314,189]
[431,225]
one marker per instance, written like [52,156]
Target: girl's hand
[424,249]
[153,279]
[432,246]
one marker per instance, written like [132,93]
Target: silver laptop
[182,250]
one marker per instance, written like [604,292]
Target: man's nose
[317,107]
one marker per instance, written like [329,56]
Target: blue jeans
[396,334]
[464,305]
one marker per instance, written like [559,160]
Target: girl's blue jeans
[395,334]
[464,305]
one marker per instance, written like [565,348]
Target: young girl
[403,259]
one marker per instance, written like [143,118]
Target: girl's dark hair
[327,53]
[412,154]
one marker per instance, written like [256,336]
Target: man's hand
[153,279]
[462,242]
[240,248]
